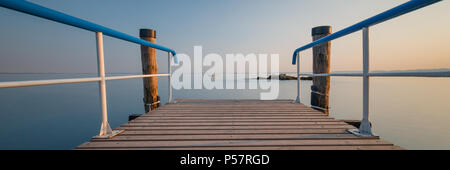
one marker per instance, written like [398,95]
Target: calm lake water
[413,113]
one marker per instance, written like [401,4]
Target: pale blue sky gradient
[419,40]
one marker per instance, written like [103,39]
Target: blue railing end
[175,58]
[294,57]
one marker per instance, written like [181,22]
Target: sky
[419,40]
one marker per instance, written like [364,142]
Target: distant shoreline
[293,72]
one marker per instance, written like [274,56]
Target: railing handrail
[50,14]
[43,12]
[384,16]
[27,83]
[365,128]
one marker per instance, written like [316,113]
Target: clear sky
[419,40]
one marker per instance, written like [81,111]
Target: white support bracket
[297,100]
[365,129]
[105,129]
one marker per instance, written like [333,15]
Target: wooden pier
[218,124]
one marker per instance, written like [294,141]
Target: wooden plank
[228,137]
[187,110]
[232,106]
[140,120]
[234,124]
[235,106]
[232,111]
[354,147]
[194,101]
[125,127]
[231,132]
[215,143]
[228,117]
[250,106]
[262,104]
[237,118]
[243,110]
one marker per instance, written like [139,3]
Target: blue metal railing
[387,15]
[43,12]
[365,127]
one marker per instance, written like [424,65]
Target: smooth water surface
[410,112]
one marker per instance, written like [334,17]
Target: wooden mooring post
[149,66]
[321,64]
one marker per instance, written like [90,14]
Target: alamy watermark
[234,63]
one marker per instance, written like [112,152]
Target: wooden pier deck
[236,124]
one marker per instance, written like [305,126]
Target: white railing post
[105,129]
[365,128]
[169,70]
[297,100]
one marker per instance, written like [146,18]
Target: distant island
[285,77]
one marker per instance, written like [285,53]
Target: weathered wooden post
[321,64]
[149,66]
